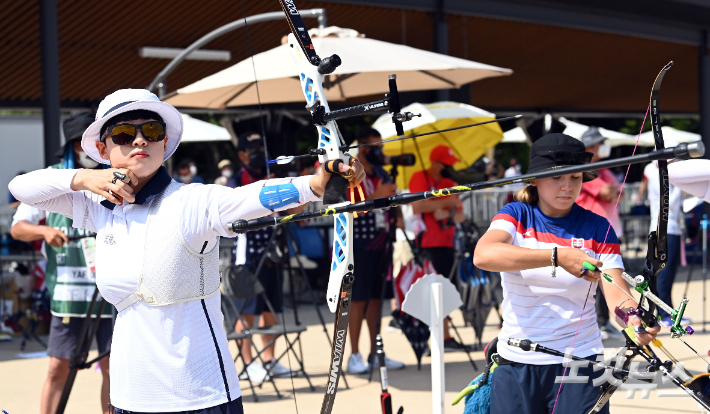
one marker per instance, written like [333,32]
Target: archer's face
[559,193]
[142,157]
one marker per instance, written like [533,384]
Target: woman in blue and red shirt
[539,245]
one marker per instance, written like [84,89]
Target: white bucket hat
[125,100]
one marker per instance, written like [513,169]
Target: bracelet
[553,259]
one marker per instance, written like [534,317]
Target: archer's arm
[495,253]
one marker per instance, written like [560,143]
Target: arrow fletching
[284,159]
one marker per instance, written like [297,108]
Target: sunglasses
[125,134]
[566,157]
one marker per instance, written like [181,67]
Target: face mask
[604,150]
[186,178]
[193,170]
[257,159]
[227,174]
[85,161]
[446,172]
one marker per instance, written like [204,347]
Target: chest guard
[172,271]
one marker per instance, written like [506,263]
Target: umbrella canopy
[195,130]
[671,136]
[366,65]
[614,138]
[468,144]
[514,136]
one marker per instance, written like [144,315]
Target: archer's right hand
[101,181]
[572,260]
[54,237]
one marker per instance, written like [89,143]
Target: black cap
[541,160]
[74,127]
[248,140]
[592,137]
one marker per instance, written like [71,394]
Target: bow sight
[390,103]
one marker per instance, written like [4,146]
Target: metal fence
[480,206]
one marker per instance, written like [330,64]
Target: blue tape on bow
[277,196]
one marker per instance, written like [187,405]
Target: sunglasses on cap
[566,157]
[125,134]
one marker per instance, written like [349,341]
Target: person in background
[69,281]
[227,177]
[248,249]
[183,172]
[193,171]
[439,215]
[494,170]
[369,252]
[599,196]
[650,182]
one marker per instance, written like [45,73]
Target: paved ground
[21,379]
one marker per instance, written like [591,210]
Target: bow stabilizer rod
[682,151]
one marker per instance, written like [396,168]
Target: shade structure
[195,130]
[614,138]
[469,144]
[671,137]
[366,65]
[514,136]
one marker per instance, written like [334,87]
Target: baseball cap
[444,154]
[248,140]
[542,154]
[125,100]
[592,137]
[224,163]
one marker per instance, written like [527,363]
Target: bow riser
[328,139]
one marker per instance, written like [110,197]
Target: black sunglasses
[124,134]
[566,157]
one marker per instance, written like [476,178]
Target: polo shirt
[545,309]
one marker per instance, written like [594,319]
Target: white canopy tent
[364,71]
[195,130]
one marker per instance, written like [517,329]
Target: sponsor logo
[578,243]
[108,239]
[337,356]
[529,233]
[292,9]
[375,106]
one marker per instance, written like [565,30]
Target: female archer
[539,244]
[157,253]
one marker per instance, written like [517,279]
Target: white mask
[85,161]
[227,173]
[604,150]
[193,170]
[186,178]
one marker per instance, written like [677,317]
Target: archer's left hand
[322,177]
[650,334]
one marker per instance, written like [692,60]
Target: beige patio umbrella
[366,65]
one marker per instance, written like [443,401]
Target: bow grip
[336,189]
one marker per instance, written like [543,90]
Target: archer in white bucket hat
[125,100]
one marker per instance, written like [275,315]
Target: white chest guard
[172,271]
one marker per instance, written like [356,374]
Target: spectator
[650,182]
[370,261]
[600,196]
[69,281]
[187,172]
[247,251]
[439,215]
[227,177]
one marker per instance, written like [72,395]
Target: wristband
[553,259]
